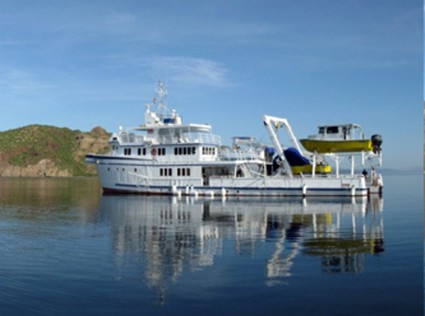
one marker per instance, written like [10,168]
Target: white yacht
[165,156]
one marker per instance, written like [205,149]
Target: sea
[67,249]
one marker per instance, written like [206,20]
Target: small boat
[342,138]
[301,165]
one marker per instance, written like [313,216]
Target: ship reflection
[169,235]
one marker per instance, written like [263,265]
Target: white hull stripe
[259,189]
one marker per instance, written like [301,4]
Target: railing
[204,138]
[201,138]
[228,154]
[132,138]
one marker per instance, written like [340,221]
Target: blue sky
[80,64]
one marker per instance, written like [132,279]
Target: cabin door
[205,177]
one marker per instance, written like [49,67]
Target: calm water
[68,250]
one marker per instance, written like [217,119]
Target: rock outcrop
[47,151]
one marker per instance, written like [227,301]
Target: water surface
[69,250]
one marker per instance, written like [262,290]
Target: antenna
[160,99]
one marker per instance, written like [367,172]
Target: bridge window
[178,151]
[208,150]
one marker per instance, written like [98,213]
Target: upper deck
[188,134]
[165,127]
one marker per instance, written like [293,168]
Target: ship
[165,156]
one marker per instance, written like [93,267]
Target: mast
[160,100]
[161,115]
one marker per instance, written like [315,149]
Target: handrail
[201,138]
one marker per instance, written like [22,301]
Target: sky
[81,64]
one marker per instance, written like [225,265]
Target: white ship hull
[127,176]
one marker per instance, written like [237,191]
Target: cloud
[193,71]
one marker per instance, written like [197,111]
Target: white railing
[200,138]
[228,154]
[203,138]
[132,138]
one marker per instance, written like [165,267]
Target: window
[184,151]
[127,151]
[208,150]
[184,172]
[164,172]
[332,130]
[161,151]
[178,151]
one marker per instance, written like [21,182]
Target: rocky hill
[40,150]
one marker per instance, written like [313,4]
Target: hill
[41,150]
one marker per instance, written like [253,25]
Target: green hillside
[27,146]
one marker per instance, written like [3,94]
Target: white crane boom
[273,123]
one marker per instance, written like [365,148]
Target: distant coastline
[396,172]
